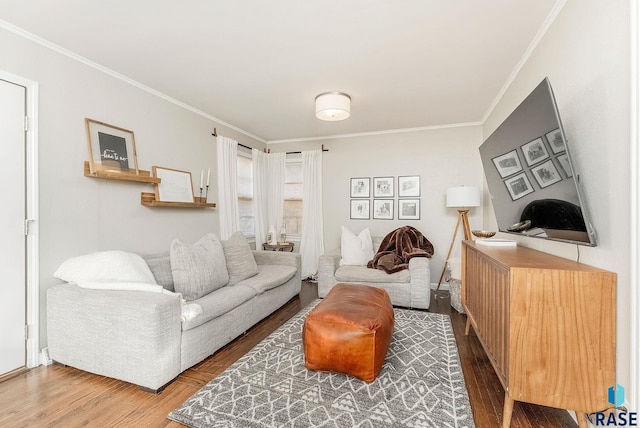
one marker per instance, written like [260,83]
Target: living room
[585,50]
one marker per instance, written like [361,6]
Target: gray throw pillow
[160,265]
[198,269]
[240,261]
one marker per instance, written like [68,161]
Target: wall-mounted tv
[533,185]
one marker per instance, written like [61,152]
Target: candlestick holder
[206,193]
[200,192]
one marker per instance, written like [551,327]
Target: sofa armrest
[128,335]
[328,263]
[277,258]
[420,270]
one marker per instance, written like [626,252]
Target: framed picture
[565,166]
[111,148]
[518,186]
[175,185]
[546,174]
[409,186]
[360,209]
[360,187]
[383,209]
[409,209]
[534,151]
[507,164]
[382,187]
[556,142]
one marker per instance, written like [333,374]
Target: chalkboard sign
[113,151]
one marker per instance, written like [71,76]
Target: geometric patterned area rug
[420,384]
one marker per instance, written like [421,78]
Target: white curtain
[260,195]
[275,183]
[311,237]
[228,186]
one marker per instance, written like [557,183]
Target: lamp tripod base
[464,219]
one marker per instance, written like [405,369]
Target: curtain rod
[215,134]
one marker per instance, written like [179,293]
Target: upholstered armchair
[409,288]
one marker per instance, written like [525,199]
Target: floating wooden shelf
[149,200]
[142,177]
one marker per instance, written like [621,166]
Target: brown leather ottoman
[349,331]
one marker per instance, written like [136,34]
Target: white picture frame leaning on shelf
[175,185]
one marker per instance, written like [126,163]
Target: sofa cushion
[239,256]
[268,277]
[160,265]
[105,266]
[363,274]
[218,303]
[198,269]
[356,250]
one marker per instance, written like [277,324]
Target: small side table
[280,246]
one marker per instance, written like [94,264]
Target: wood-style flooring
[58,396]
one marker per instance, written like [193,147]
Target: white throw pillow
[356,250]
[105,266]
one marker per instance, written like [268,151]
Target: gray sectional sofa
[144,337]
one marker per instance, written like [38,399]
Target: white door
[12,227]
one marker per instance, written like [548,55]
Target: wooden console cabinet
[547,324]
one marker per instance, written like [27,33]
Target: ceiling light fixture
[333,106]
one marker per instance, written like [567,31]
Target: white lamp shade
[333,106]
[463,196]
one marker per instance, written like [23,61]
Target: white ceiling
[258,65]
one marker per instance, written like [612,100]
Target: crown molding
[372,133]
[70,54]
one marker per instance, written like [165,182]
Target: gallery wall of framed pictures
[383,191]
[544,158]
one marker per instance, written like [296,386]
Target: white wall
[585,54]
[79,214]
[442,158]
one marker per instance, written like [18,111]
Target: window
[292,211]
[245,196]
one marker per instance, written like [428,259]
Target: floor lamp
[462,197]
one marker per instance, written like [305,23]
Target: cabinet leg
[582,420]
[467,328]
[507,411]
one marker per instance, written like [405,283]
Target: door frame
[32,241]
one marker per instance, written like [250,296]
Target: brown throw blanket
[398,247]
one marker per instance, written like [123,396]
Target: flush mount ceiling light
[333,106]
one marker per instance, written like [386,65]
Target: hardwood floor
[57,396]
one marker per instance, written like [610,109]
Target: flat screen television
[533,185]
